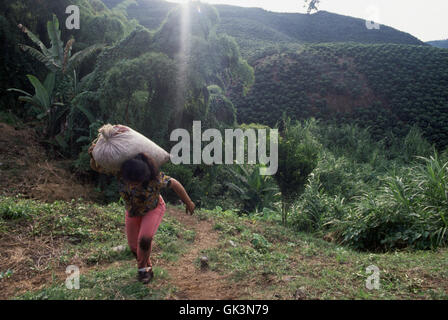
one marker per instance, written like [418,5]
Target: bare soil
[192,281]
[25,169]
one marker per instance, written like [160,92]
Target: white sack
[113,148]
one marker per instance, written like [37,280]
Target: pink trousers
[141,230]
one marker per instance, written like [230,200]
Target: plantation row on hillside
[439,43]
[255,28]
[384,86]
[388,80]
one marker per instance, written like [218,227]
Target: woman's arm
[180,191]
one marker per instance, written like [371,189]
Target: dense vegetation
[439,43]
[387,87]
[316,28]
[373,196]
[365,174]
[255,28]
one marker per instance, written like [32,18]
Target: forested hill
[330,66]
[383,86]
[439,43]
[254,28]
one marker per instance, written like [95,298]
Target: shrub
[254,191]
[10,209]
[316,209]
[297,157]
[409,210]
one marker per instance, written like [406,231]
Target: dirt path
[191,281]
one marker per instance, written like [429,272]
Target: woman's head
[140,169]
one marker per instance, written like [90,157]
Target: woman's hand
[189,207]
[180,191]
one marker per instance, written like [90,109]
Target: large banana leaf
[20,91]
[67,54]
[47,60]
[35,102]
[28,98]
[40,92]
[80,56]
[49,83]
[36,40]
[57,46]
[57,57]
[86,112]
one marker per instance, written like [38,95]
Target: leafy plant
[297,157]
[260,243]
[254,191]
[57,58]
[43,98]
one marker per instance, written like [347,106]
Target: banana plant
[57,58]
[43,102]
[42,99]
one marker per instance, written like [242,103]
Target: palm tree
[255,191]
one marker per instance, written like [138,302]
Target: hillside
[388,80]
[361,186]
[384,86]
[248,258]
[255,28]
[439,43]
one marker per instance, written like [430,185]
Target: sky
[424,19]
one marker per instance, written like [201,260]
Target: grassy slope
[263,260]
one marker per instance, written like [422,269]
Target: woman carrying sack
[140,184]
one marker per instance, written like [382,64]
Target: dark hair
[139,169]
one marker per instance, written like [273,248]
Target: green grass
[114,283]
[281,261]
[85,234]
[276,262]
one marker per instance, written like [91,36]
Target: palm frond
[235,188]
